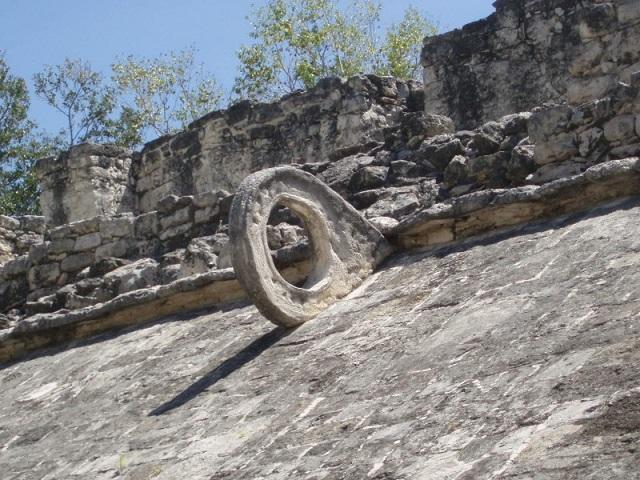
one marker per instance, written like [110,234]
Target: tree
[163,94]
[19,147]
[403,45]
[297,42]
[81,95]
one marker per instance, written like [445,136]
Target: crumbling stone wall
[332,120]
[529,52]
[17,234]
[75,253]
[87,181]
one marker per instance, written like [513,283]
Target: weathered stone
[368,177]
[345,246]
[78,261]
[439,155]
[106,265]
[62,245]
[119,248]
[403,335]
[556,148]
[87,181]
[133,276]
[178,217]
[620,128]
[490,170]
[87,242]
[9,223]
[555,171]
[437,125]
[175,231]
[338,175]
[38,253]
[43,275]
[146,225]
[589,140]
[394,203]
[456,172]
[488,139]
[116,227]
[13,268]
[521,164]
[515,123]
[171,203]
[335,119]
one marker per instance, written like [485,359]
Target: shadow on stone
[226,368]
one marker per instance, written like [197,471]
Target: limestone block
[9,223]
[87,242]
[139,274]
[620,128]
[83,227]
[77,261]
[582,90]
[43,275]
[556,148]
[38,252]
[116,227]
[395,202]
[15,267]
[437,125]
[549,121]
[554,171]
[61,245]
[146,225]
[589,140]
[456,172]
[346,247]
[32,223]
[628,10]
[118,249]
[368,177]
[175,231]
[178,217]
[204,215]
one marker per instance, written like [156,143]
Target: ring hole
[290,245]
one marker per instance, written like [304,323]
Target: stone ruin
[525,117]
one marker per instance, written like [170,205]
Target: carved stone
[346,247]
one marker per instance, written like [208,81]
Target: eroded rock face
[346,248]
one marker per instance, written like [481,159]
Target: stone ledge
[486,210]
[133,308]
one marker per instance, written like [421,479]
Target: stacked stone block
[530,52]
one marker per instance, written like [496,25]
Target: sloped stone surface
[511,356]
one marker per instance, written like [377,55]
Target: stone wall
[569,139]
[87,181]
[17,234]
[332,120]
[95,246]
[530,52]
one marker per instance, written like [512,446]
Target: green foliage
[163,94]
[81,95]
[19,147]
[297,42]
[402,47]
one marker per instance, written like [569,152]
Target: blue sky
[34,33]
